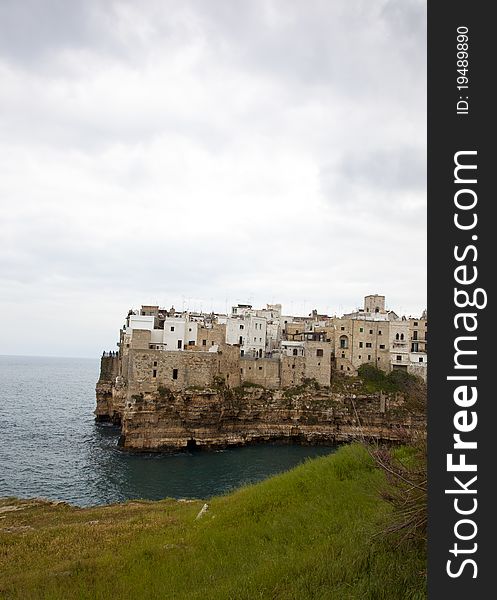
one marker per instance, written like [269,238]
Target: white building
[248,332]
[179,332]
[399,344]
[289,348]
[140,322]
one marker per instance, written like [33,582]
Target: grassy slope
[303,534]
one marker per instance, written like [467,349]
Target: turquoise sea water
[51,447]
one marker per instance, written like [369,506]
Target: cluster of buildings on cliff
[177,350]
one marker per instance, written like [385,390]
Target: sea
[51,447]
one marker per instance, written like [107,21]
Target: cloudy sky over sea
[206,153]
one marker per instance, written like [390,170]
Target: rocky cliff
[218,416]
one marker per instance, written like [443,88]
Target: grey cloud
[386,184]
[399,169]
[325,96]
[34,28]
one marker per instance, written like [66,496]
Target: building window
[368,345]
[260,368]
[396,336]
[242,352]
[414,335]
[420,359]
[172,328]
[191,343]
[370,332]
[415,323]
[342,328]
[341,367]
[369,356]
[344,341]
[361,329]
[180,344]
[295,351]
[379,332]
[319,352]
[359,357]
[415,347]
[204,342]
[241,326]
[241,371]
[189,329]
[293,366]
[361,345]
[399,357]
[155,363]
[382,346]
[175,373]
[154,373]
[401,336]
[343,354]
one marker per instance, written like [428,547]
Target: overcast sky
[203,153]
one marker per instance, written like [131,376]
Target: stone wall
[109,370]
[150,370]
[319,361]
[229,365]
[261,371]
[140,340]
[210,336]
[292,370]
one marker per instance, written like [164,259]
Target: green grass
[308,533]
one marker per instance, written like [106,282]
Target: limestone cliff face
[156,418]
[213,418]
[110,391]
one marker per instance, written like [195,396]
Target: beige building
[358,341]
[418,330]
[173,350]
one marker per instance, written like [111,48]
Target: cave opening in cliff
[191,444]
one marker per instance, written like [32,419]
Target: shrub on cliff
[413,387]
[406,490]
[370,373]
[165,393]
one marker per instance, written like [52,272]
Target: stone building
[171,350]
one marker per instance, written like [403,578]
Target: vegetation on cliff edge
[309,533]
